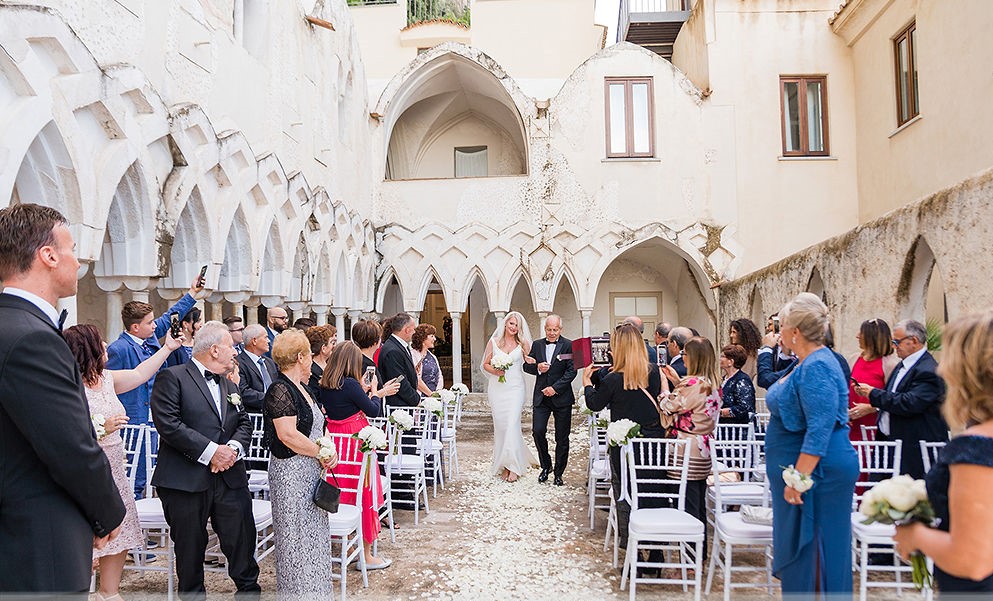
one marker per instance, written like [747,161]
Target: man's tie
[266,378]
[62,318]
[209,375]
[149,351]
[896,376]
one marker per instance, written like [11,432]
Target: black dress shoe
[558,481]
[543,476]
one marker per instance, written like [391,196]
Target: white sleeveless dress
[507,402]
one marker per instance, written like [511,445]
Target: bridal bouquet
[900,501]
[460,388]
[325,449]
[621,431]
[502,363]
[432,405]
[99,424]
[372,438]
[446,396]
[402,420]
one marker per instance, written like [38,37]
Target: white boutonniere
[235,399]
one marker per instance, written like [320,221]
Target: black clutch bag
[327,495]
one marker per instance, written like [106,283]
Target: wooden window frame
[913,109]
[801,81]
[629,152]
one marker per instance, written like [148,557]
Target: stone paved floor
[488,539]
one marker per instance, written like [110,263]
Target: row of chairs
[738,480]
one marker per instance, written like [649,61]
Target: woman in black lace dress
[960,482]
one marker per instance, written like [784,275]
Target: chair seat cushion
[732,525]
[405,463]
[665,521]
[600,469]
[262,511]
[875,530]
[448,433]
[345,520]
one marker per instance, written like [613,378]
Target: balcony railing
[653,24]
[419,11]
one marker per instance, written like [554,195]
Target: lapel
[905,382]
[555,351]
[202,385]
[19,303]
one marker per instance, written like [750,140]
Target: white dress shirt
[550,351]
[883,423]
[215,392]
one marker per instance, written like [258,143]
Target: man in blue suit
[139,341]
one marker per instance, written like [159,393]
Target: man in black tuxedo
[58,499]
[204,432]
[256,371]
[552,395]
[678,337]
[395,359]
[910,406]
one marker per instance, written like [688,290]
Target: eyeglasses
[283,318]
[897,341]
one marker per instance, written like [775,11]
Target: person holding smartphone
[873,366]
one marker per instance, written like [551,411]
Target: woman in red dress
[347,401]
[873,367]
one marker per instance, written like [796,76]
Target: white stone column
[238,309]
[542,316]
[139,295]
[321,311]
[252,306]
[500,317]
[586,314]
[353,316]
[213,307]
[115,302]
[339,321]
[456,347]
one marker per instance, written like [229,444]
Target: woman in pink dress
[873,367]
[347,400]
[102,387]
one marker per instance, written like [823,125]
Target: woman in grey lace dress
[292,424]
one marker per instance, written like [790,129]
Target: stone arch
[358,287]
[300,279]
[129,244]
[323,288]
[757,311]
[390,289]
[431,274]
[342,291]
[442,85]
[474,274]
[47,175]
[512,284]
[236,271]
[815,285]
[916,280]
[191,243]
[272,268]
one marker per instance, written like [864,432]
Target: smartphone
[854,382]
[398,379]
[369,373]
[201,279]
[174,327]
[775,323]
[661,355]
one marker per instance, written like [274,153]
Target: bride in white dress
[511,458]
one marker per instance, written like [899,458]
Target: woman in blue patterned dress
[427,364]
[808,429]
[959,484]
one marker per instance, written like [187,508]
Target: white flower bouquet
[460,388]
[900,501]
[797,480]
[99,424]
[402,420]
[432,405]
[325,449]
[502,363]
[372,438]
[602,418]
[582,406]
[621,431]
[446,396]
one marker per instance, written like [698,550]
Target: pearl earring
[794,338]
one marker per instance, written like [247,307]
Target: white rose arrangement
[446,396]
[402,420]
[325,449]
[797,480]
[99,424]
[900,501]
[622,431]
[460,388]
[502,363]
[602,418]
[582,406]
[372,438]
[432,405]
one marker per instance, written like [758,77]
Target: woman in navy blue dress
[960,482]
[808,428]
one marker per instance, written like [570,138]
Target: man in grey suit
[58,499]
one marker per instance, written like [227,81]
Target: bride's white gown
[507,402]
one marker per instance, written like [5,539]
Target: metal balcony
[653,24]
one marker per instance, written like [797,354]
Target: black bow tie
[62,318]
[209,375]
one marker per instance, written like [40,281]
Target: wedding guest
[367,334]
[873,366]
[256,369]
[386,325]
[623,389]
[738,392]
[236,325]
[346,403]
[774,360]
[292,423]
[304,323]
[277,320]
[691,412]
[678,337]
[808,429]
[59,501]
[188,326]
[322,340]
[958,486]
[422,342]
[745,333]
[395,360]
[102,387]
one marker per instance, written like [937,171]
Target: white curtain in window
[815,118]
[471,161]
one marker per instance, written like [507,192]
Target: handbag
[327,495]
[753,514]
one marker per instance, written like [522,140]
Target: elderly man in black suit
[58,499]
[256,371]
[395,359]
[910,405]
[678,337]
[204,432]
[553,395]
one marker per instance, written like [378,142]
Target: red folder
[582,352]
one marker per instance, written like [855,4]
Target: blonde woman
[512,343]
[691,411]
[959,483]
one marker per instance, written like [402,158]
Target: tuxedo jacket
[559,376]
[394,361]
[915,410]
[250,384]
[187,420]
[56,487]
[125,353]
